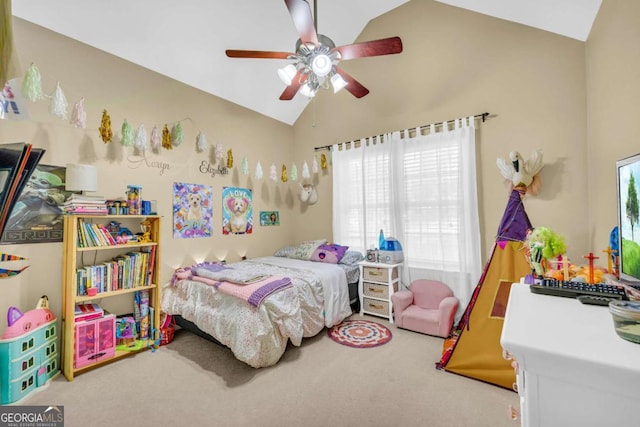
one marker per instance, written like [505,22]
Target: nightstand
[378,281]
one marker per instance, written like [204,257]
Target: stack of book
[83,204]
[88,311]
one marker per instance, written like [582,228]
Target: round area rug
[360,333]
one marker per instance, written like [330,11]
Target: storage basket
[166,332]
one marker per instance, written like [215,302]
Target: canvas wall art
[237,210]
[192,210]
[269,218]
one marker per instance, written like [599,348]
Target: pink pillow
[329,253]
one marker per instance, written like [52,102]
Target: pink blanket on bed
[253,293]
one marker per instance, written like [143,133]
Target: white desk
[574,370]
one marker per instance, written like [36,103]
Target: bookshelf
[99,260]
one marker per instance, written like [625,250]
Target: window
[420,190]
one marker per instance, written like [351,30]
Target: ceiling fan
[316,57]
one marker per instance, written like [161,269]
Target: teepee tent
[475,351]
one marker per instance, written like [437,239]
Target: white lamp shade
[287,74]
[307,91]
[338,83]
[81,178]
[321,65]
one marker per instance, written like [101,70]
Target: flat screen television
[628,195]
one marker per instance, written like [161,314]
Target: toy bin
[167,331]
[95,340]
[27,361]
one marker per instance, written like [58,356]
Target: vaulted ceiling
[187,40]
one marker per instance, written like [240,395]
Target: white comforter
[258,336]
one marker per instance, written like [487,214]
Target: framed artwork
[192,210]
[37,216]
[269,218]
[237,211]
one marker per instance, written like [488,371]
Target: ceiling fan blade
[260,54]
[353,86]
[303,20]
[387,46]
[294,87]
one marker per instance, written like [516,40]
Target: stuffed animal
[521,174]
[308,194]
[543,244]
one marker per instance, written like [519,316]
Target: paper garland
[201,142]
[58,104]
[32,90]
[245,166]
[166,138]
[105,127]
[127,134]
[229,159]
[273,175]
[32,84]
[219,153]
[140,139]
[78,115]
[258,175]
[156,139]
[177,135]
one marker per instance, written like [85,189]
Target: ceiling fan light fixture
[287,74]
[338,83]
[321,65]
[306,90]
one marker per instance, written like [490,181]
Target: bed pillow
[285,252]
[306,249]
[352,257]
[329,253]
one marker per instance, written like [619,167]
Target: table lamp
[81,178]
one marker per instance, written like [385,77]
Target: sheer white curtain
[419,189]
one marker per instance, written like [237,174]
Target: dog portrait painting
[237,211]
[192,210]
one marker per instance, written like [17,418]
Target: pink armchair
[428,307]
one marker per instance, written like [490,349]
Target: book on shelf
[88,311]
[77,197]
[92,235]
[84,204]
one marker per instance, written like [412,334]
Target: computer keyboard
[597,293]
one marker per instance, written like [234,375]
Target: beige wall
[457,63]
[132,92]
[540,87]
[613,92]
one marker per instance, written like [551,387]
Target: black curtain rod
[482,116]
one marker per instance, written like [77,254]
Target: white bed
[318,297]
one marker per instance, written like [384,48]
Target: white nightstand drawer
[376,290]
[379,274]
[375,306]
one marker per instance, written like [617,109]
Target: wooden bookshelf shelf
[74,264]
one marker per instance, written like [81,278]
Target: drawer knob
[379,307]
[375,290]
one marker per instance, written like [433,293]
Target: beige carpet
[193,382]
